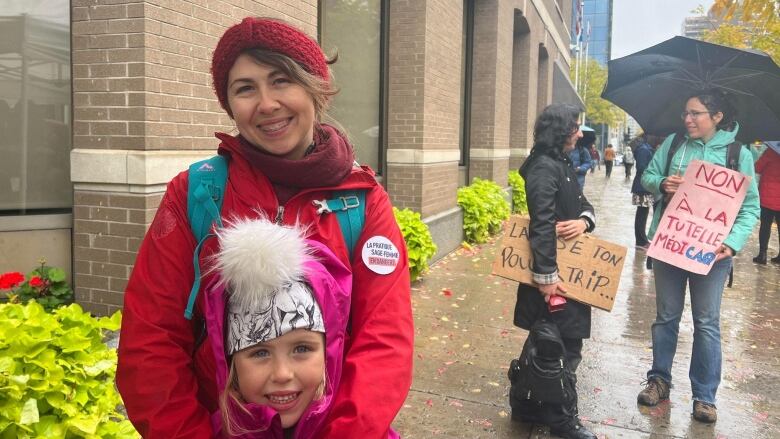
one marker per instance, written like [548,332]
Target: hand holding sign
[699,217]
[588,268]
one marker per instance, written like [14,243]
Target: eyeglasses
[694,114]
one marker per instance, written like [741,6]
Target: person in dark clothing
[594,156]
[581,159]
[558,209]
[641,197]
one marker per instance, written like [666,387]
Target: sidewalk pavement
[465,340]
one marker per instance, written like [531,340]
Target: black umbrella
[652,85]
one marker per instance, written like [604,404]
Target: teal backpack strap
[205,191]
[350,210]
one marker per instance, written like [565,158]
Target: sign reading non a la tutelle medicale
[588,267]
[699,217]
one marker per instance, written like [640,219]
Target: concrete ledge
[128,167]
[421,156]
[447,231]
[488,153]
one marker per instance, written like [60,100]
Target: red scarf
[327,162]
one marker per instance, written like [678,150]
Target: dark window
[355,30]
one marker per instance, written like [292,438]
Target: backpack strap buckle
[349,202]
[338,204]
[322,206]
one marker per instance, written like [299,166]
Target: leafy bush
[519,204]
[484,209]
[57,375]
[45,285]
[419,244]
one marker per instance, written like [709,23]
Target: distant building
[633,127]
[694,27]
[599,14]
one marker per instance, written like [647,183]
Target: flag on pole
[587,33]
[578,24]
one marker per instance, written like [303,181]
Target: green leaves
[594,77]
[57,375]
[519,203]
[419,244]
[484,209]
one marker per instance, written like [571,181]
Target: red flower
[36,282]
[10,280]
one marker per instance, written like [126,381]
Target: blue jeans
[706,292]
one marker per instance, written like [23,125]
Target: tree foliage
[747,24]
[594,77]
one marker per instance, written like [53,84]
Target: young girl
[278,352]
[273,81]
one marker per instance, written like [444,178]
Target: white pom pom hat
[262,266]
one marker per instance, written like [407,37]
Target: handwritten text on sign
[699,217]
[588,267]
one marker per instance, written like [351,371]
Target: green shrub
[419,244]
[57,375]
[519,204]
[45,285]
[484,209]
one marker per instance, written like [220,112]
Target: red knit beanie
[269,34]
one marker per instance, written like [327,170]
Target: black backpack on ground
[541,373]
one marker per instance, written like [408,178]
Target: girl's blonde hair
[231,397]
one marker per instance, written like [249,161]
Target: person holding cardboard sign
[557,208]
[711,129]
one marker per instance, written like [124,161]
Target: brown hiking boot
[655,391]
[704,412]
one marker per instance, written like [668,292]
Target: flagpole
[585,75]
[577,66]
[578,46]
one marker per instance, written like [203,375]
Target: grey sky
[638,24]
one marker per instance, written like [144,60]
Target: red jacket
[768,165]
[169,391]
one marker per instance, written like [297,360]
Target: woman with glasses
[558,209]
[709,121]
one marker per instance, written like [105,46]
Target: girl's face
[700,123]
[571,141]
[271,111]
[284,373]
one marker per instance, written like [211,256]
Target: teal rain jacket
[714,151]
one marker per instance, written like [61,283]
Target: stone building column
[424,107]
[491,91]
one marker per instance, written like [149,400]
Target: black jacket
[553,195]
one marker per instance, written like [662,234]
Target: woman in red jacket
[274,82]
[769,191]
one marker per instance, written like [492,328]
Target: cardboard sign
[588,267]
[699,217]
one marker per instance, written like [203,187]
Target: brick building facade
[462,84]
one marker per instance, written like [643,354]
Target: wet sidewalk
[465,340]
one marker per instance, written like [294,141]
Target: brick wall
[141,81]
[107,233]
[425,103]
